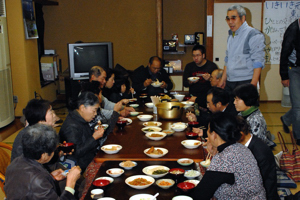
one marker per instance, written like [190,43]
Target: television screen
[83,56]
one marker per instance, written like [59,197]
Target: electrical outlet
[15,99]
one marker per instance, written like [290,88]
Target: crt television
[83,56]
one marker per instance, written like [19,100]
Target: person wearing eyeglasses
[144,77]
[245,55]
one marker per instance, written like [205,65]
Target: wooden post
[159,21]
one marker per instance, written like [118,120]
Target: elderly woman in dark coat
[26,177]
[76,129]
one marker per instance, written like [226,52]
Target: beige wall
[130,25]
[183,17]
[24,60]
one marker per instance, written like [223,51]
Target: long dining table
[119,190]
[134,142]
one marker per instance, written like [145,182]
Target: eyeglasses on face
[230,18]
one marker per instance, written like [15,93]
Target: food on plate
[191,173]
[156,135]
[149,130]
[159,171]
[164,183]
[185,161]
[139,182]
[196,143]
[156,82]
[114,171]
[128,163]
[206,162]
[166,97]
[113,148]
[176,172]
[152,150]
[151,123]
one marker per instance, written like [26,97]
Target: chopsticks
[208,157]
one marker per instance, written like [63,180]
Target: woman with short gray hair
[28,174]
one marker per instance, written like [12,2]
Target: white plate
[179,128]
[165,151]
[166,180]
[156,84]
[149,170]
[109,146]
[110,179]
[196,174]
[149,105]
[203,164]
[163,135]
[179,161]
[139,187]
[154,128]
[193,79]
[132,100]
[182,197]
[187,104]
[152,123]
[135,164]
[134,105]
[191,144]
[195,182]
[115,172]
[129,121]
[145,117]
[142,196]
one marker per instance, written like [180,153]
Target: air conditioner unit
[6,92]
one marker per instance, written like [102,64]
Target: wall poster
[29,20]
[278,15]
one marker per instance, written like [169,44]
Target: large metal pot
[169,110]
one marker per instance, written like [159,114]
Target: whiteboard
[278,15]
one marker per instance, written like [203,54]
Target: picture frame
[29,20]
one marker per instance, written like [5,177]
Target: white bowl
[151,129]
[149,105]
[139,187]
[204,164]
[134,113]
[145,118]
[121,165]
[193,79]
[195,182]
[191,174]
[148,135]
[129,121]
[179,128]
[142,196]
[115,172]
[107,198]
[168,132]
[152,123]
[165,186]
[156,84]
[165,151]
[187,104]
[150,169]
[110,179]
[106,148]
[182,197]
[191,144]
[132,100]
[134,105]
[180,97]
[185,161]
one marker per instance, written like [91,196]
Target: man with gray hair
[245,56]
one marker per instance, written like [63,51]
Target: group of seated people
[234,171]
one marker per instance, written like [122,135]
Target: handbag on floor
[290,162]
